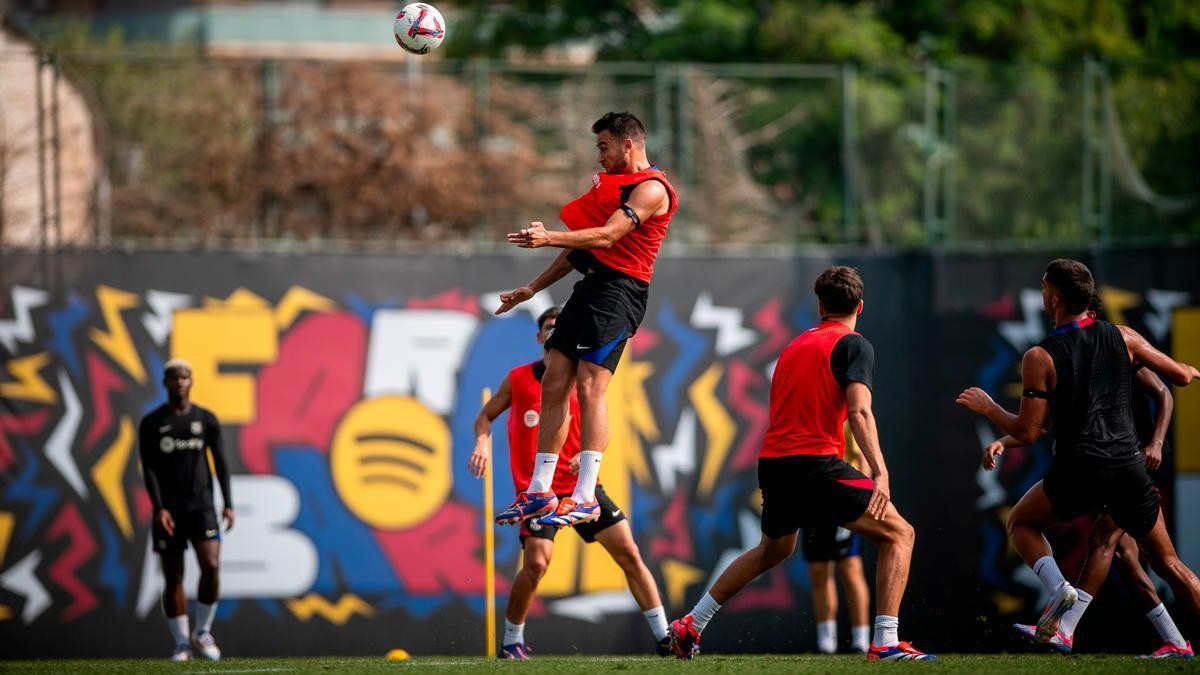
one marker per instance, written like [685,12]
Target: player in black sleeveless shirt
[1079,379]
[1152,405]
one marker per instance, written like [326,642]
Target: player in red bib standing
[615,231]
[822,378]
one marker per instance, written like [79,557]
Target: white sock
[1165,626]
[1070,618]
[1047,570]
[657,619]
[589,472]
[514,633]
[703,612]
[204,617]
[887,630]
[179,628]
[544,464]
[827,637]
[860,638]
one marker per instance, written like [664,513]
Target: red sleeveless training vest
[635,253]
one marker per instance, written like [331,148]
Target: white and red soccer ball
[419,28]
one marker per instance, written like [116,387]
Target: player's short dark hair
[1074,281]
[545,316]
[621,125]
[1096,305]
[839,289]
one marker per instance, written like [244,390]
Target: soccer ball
[419,28]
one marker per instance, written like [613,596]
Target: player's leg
[173,599]
[593,377]
[1101,545]
[1160,552]
[1130,563]
[617,539]
[557,383]
[858,600]
[824,595]
[685,632]
[819,546]
[536,549]
[895,538]
[208,556]
[1031,515]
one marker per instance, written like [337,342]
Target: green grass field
[951,663]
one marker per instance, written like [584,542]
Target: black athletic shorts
[603,312]
[828,543]
[810,491]
[191,525]
[1124,492]
[609,515]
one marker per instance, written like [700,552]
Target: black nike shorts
[810,491]
[609,515]
[829,543]
[193,525]
[1124,492]
[603,312]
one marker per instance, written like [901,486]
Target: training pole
[489,549]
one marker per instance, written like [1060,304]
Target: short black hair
[839,289]
[1096,305]
[545,316]
[621,125]
[1074,281]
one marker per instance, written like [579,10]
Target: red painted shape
[142,506]
[105,382]
[776,595]
[442,554]
[452,299]
[19,424]
[741,382]
[643,342]
[64,571]
[1004,308]
[774,328]
[676,538]
[304,394]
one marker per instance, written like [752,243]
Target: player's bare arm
[495,405]
[1029,424]
[862,426]
[648,199]
[1164,406]
[997,447]
[1144,353]
[556,270]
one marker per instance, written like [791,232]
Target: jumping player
[615,230]
[833,548]
[1079,379]
[822,377]
[171,442]
[519,393]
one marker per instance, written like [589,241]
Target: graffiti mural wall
[347,387]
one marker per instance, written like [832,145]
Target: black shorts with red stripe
[810,491]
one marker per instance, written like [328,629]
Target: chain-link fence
[102,149]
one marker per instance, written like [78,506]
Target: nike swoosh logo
[582,348]
[163,430]
[616,512]
[210,533]
[549,461]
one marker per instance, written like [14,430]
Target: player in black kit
[1078,380]
[171,441]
